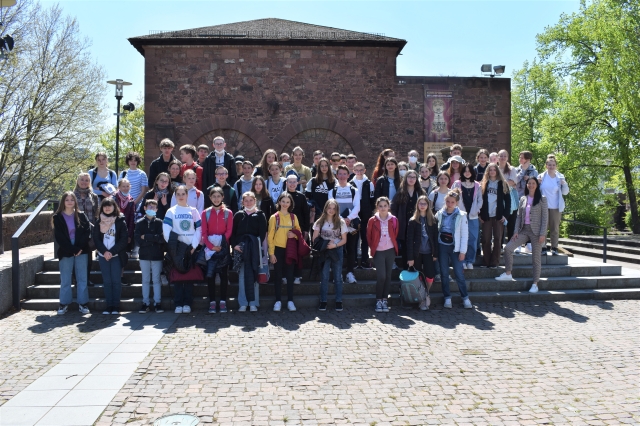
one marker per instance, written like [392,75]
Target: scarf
[82,193]
[161,192]
[106,222]
[123,201]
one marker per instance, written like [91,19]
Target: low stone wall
[30,265]
[39,232]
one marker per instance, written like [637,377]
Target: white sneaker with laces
[178,310]
[83,309]
[529,249]
[447,303]
[277,307]
[186,309]
[464,266]
[467,304]
[351,278]
[291,306]
[252,308]
[534,288]
[297,281]
[504,277]
[242,309]
[469,265]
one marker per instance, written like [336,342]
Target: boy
[239,161]
[230,196]
[317,156]
[203,151]
[136,177]
[161,164]
[366,189]
[245,182]
[351,161]
[524,171]
[148,236]
[454,150]
[275,184]
[343,159]
[195,198]
[187,156]
[335,161]
[218,158]
[304,172]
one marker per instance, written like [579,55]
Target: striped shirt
[137,178]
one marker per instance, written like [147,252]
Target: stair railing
[589,225]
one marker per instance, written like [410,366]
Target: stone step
[611,248]
[597,253]
[610,239]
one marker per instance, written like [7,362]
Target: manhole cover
[177,420]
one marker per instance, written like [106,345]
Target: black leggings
[224,282]
[352,251]
[425,264]
[511,224]
[281,255]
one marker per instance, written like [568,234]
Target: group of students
[211,212]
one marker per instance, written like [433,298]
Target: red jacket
[216,225]
[373,233]
[297,249]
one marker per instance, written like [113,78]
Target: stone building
[272,83]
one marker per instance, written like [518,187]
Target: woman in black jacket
[383,183]
[72,231]
[496,203]
[162,193]
[110,236]
[403,207]
[263,198]
[422,246]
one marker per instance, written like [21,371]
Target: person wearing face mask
[285,160]
[149,237]
[218,158]
[403,168]
[413,164]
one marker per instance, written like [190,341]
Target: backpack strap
[207,213]
[277,215]
[198,194]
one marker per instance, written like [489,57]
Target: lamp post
[119,85]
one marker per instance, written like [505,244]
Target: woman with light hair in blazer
[531,225]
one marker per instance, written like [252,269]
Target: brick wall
[39,232]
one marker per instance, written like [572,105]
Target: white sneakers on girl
[277,307]
[534,288]
[467,304]
[447,303]
[291,306]
[504,277]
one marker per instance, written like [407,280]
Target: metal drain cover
[177,420]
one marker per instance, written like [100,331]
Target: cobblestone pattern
[502,364]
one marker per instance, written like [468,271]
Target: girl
[553,187]
[262,169]
[380,163]
[452,246]
[402,168]
[275,184]
[162,193]
[432,164]
[175,167]
[495,204]
[493,157]
[403,206]
[422,246]
[412,162]
[281,225]
[387,185]
[101,175]
[184,221]
[128,210]
[482,159]
[382,233]
[217,224]
[332,228]
[531,225]
[110,235]
[455,168]
[88,204]
[263,198]
[248,222]
[425,178]
[318,188]
[470,203]
[436,197]
[72,232]
[510,175]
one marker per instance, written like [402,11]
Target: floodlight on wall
[129,107]
[485,68]
[499,69]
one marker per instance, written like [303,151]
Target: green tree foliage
[131,137]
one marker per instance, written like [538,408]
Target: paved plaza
[512,363]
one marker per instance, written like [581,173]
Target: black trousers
[352,251]
[281,255]
[425,264]
[224,283]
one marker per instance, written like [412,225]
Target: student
[88,204]
[348,198]
[174,173]
[482,160]
[524,171]
[218,158]
[195,197]
[262,169]
[303,171]
[432,163]
[247,223]
[162,193]
[203,152]
[510,175]
[493,157]
[332,228]
[554,187]
[136,177]
[456,162]
[317,155]
[437,196]
[531,225]
[102,176]
[412,161]
[281,227]
[496,202]
[422,243]
[128,209]
[149,237]
[425,178]
[470,203]
[285,160]
[403,206]
[452,246]
[217,225]
[454,150]
[183,220]
[245,182]
[402,169]
[350,163]
[230,196]
[239,161]
[380,163]
[263,198]
[301,211]
[382,233]
[318,188]
[367,190]
[387,185]
[336,161]
[72,232]
[161,164]
[110,236]
[275,184]
[188,157]
[343,159]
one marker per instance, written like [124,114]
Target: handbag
[446,237]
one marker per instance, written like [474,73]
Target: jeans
[336,265]
[151,271]
[447,254]
[183,294]
[112,282]
[281,256]
[383,261]
[472,245]
[242,297]
[67,266]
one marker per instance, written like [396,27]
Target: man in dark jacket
[161,164]
[301,210]
[217,158]
[149,237]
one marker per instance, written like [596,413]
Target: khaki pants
[526,235]
[554,226]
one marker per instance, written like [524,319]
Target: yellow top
[303,171]
[279,238]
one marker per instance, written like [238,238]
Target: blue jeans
[112,282]
[151,270]
[336,265]
[242,297]
[67,265]
[472,245]
[182,294]
[446,254]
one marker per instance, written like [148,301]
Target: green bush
[597,215]
[627,220]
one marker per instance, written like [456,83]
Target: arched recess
[223,122]
[325,139]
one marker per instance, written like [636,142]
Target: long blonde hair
[337,220]
[83,174]
[416,214]
[499,178]
[61,207]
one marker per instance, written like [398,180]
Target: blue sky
[444,37]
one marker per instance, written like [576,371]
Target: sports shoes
[464,266]
[62,309]
[290,306]
[379,306]
[144,308]
[493,267]
[178,310]
[394,266]
[115,311]
[554,251]
[242,309]
[424,307]
[534,288]
[467,303]
[367,266]
[504,277]
[223,307]
[518,250]
[253,308]
[351,279]
[385,306]
[212,307]
[528,248]
[323,306]
[469,265]
[158,308]
[297,281]
[83,309]
[339,306]
[284,281]
[544,251]
[437,277]
[186,309]
[277,306]
[164,280]
[107,311]
[134,255]
[447,303]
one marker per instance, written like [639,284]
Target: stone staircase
[562,279]
[619,249]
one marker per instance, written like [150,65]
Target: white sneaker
[469,265]
[186,309]
[242,309]
[351,278]
[83,309]
[464,266]
[284,281]
[178,310]
[504,277]
[164,280]
[252,308]
[467,304]
[394,266]
[277,307]
[518,250]
[447,303]
[134,255]
[297,281]
[534,288]
[529,249]
[291,306]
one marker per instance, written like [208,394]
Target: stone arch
[226,123]
[325,139]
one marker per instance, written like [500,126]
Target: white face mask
[402,173]
[285,163]
[219,151]
[413,159]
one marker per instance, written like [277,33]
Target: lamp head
[485,68]
[499,69]
[129,107]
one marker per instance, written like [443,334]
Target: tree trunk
[633,199]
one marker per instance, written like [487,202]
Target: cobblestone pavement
[512,363]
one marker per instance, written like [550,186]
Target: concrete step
[611,248]
[597,253]
[611,239]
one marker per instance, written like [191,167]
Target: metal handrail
[15,254]
[589,225]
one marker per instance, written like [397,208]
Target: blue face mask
[125,194]
[151,213]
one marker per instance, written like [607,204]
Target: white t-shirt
[492,197]
[138,179]
[328,233]
[109,239]
[550,188]
[440,200]
[275,189]
[184,221]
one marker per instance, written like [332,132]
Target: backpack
[413,288]
[277,215]
[435,198]
[351,187]
[93,174]
[207,214]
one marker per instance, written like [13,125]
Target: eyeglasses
[358,170]
[222,174]
[335,160]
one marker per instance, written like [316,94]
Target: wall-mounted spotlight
[497,70]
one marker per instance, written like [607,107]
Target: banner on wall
[438,120]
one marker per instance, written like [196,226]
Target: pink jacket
[216,225]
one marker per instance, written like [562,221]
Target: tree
[131,136]
[50,101]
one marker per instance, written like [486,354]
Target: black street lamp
[119,85]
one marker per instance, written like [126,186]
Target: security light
[485,68]
[499,69]
[129,107]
